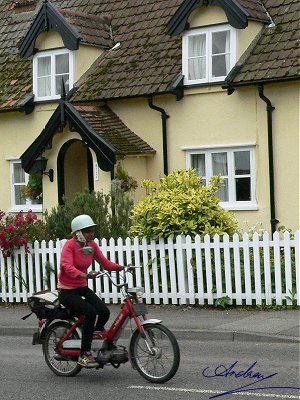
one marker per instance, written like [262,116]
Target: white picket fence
[242,271]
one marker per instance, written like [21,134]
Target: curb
[183,334]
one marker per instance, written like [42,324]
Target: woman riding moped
[74,293]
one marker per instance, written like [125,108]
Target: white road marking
[170,389]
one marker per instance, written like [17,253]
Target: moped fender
[151,321]
[45,326]
[145,322]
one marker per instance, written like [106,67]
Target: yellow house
[156,86]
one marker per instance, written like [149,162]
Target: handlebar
[125,270]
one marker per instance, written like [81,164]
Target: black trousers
[90,306]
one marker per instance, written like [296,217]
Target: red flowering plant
[18,230]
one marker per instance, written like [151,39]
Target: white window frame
[52,54]
[208,31]
[28,204]
[232,203]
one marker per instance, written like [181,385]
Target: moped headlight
[140,291]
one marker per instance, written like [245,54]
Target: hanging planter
[34,188]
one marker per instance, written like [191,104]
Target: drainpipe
[164,117]
[270,109]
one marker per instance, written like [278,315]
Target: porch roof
[99,127]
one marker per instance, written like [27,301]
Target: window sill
[195,84]
[33,208]
[239,207]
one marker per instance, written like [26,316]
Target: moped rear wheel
[59,365]
[157,356]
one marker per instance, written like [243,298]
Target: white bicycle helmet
[81,222]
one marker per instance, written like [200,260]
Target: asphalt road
[25,376]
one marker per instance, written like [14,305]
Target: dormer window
[49,69]
[208,54]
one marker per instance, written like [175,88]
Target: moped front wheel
[59,365]
[156,356]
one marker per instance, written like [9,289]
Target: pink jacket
[73,263]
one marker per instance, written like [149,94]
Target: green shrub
[179,205]
[109,211]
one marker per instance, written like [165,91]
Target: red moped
[153,349]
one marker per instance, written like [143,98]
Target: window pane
[220,42]
[198,163]
[58,81]
[19,175]
[220,53]
[44,66]
[243,189]
[219,164]
[220,65]
[62,64]
[44,87]
[222,192]
[197,45]
[19,199]
[242,162]
[197,57]
[197,68]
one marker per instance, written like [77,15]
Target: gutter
[164,117]
[270,110]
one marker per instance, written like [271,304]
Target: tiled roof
[255,9]
[15,77]
[148,60]
[109,126]
[276,55]
[93,29]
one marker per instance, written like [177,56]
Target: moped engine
[115,355]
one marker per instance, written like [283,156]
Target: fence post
[190,273]
[277,266]
[227,266]
[247,274]
[146,271]
[288,268]
[257,269]
[163,271]
[3,278]
[208,270]
[172,267]
[297,265]
[22,268]
[218,271]
[180,269]
[267,268]
[154,271]
[237,269]
[137,261]
[199,269]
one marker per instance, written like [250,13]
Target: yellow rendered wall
[209,117]
[18,131]
[286,100]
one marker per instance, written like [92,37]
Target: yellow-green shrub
[179,205]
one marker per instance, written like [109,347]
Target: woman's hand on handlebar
[93,274]
[129,268]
